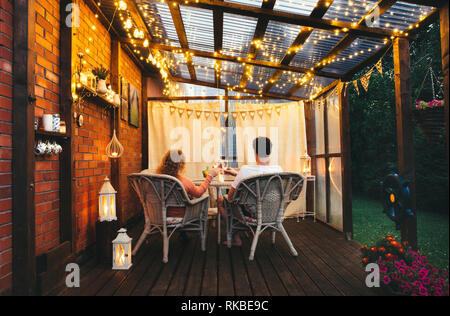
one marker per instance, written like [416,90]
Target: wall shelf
[86,93]
[56,135]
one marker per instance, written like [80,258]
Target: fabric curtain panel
[332,216]
[284,124]
[192,127]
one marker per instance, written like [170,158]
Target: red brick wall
[92,165]
[6,58]
[47,102]
[131,139]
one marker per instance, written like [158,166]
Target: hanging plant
[430,117]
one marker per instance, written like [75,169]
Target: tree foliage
[373,128]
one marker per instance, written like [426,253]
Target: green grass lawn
[370,223]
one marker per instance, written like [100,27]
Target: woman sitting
[173,164]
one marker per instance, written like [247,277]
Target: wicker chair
[265,198]
[157,193]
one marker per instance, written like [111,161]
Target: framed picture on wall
[124,97]
[134,106]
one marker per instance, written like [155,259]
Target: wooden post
[144,122]
[346,164]
[310,125]
[23,163]
[115,122]
[405,130]
[445,60]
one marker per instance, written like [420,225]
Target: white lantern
[122,251]
[107,202]
[305,164]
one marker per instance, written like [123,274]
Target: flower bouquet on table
[430,117]
[404,271]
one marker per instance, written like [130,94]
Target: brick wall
[6,58]
[91,163]
[131,139]
[47,102]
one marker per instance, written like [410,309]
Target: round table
[226,184]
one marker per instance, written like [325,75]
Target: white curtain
[194,128]
[284,124]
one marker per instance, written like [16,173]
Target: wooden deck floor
[326,265]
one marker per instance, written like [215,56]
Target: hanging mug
[40,148]
[56,122]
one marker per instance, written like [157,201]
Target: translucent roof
[274,40]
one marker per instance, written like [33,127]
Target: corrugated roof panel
[277,40]
[238,34]
[259,77]
[199,26]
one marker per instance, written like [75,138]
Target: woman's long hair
[172,163]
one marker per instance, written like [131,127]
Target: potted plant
[101,73]
[430,117]
[404,272]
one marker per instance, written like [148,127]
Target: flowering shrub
[422,105]
[404,270]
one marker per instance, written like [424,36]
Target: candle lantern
[107,202]
[305,164]
[122,251]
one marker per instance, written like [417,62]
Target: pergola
[257,49]
[282,49]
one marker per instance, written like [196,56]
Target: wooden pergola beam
[290,18]
[181,32]
[445,62]
[226,88]
[319,11]
[218,42]
[222,57]
[258,36]
[346,41]
[215,97]
[430,3]
[405,131]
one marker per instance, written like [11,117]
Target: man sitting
[263,149]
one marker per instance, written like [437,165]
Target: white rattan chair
[264,198]
[158,192]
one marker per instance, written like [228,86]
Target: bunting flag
[278,110]
[244,115]
[234,115]
[252,114]
[198,113]
[225,115]
[217,115]
[380,66]
[355,83]
[180,111]
[207,114]
[269,111]
[172,109]
[189,112]
[260,113]
[365,80]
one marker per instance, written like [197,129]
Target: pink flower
[386,280]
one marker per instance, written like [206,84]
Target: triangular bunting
[269,111]
[260,113]
[355,83]
[217,115]
[252,114]
[365,80]
[207,114]
[189,112]
[225,115]
[234,115]
[244,115]
[172,109]
[380,66]
[278,109]
[198,113]
[181,111]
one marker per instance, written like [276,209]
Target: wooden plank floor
[326,265]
